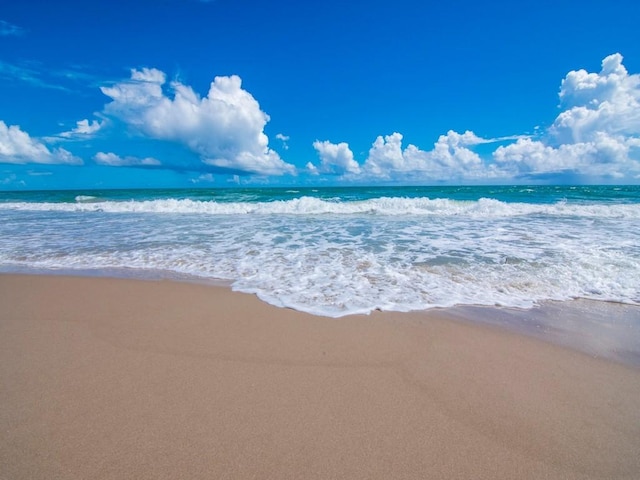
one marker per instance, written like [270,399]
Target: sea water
[339,251]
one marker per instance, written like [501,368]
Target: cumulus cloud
[113,160]
[449,159]
[451,153]
[312,169]
[16,146]
[386,156]
[595,137]
[151,75]
[604,156]
[83,130]
[335,158]
[225,128]
[606,102]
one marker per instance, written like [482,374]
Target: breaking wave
[314,206]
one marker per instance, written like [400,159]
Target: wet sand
[110,378]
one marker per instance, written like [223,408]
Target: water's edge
[607,330]
[601,329]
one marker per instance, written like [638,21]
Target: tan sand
[125,379]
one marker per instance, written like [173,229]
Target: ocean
[339,251]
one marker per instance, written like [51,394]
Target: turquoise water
[526,194]
[337,251]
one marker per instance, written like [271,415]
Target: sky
[193,93]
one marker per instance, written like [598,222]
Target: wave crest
[389,206]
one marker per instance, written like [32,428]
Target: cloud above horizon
[83,130]
[17,147]
[596,136]
[113,160]
[225,128]
[450,159]
[334,159]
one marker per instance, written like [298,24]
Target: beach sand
[114,379]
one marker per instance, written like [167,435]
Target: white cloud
[335,158]
[113,160]
[604,156]
[225,128]
[83,130]
[533,157]
[204,178]
[450,153]
[150,75]
[595,137]
[312,169]
[16,146]
[606,102]
[386,156]
[450,158]
[284,139]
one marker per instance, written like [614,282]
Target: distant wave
[87,199]
[485,207]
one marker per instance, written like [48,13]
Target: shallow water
[340,251]
[601,329]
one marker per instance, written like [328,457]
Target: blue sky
[179,93]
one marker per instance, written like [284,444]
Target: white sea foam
[86,198]
[335,258]
[482,208]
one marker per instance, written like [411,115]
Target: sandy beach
[112,379]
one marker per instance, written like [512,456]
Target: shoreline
[117,378]
[599,328]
